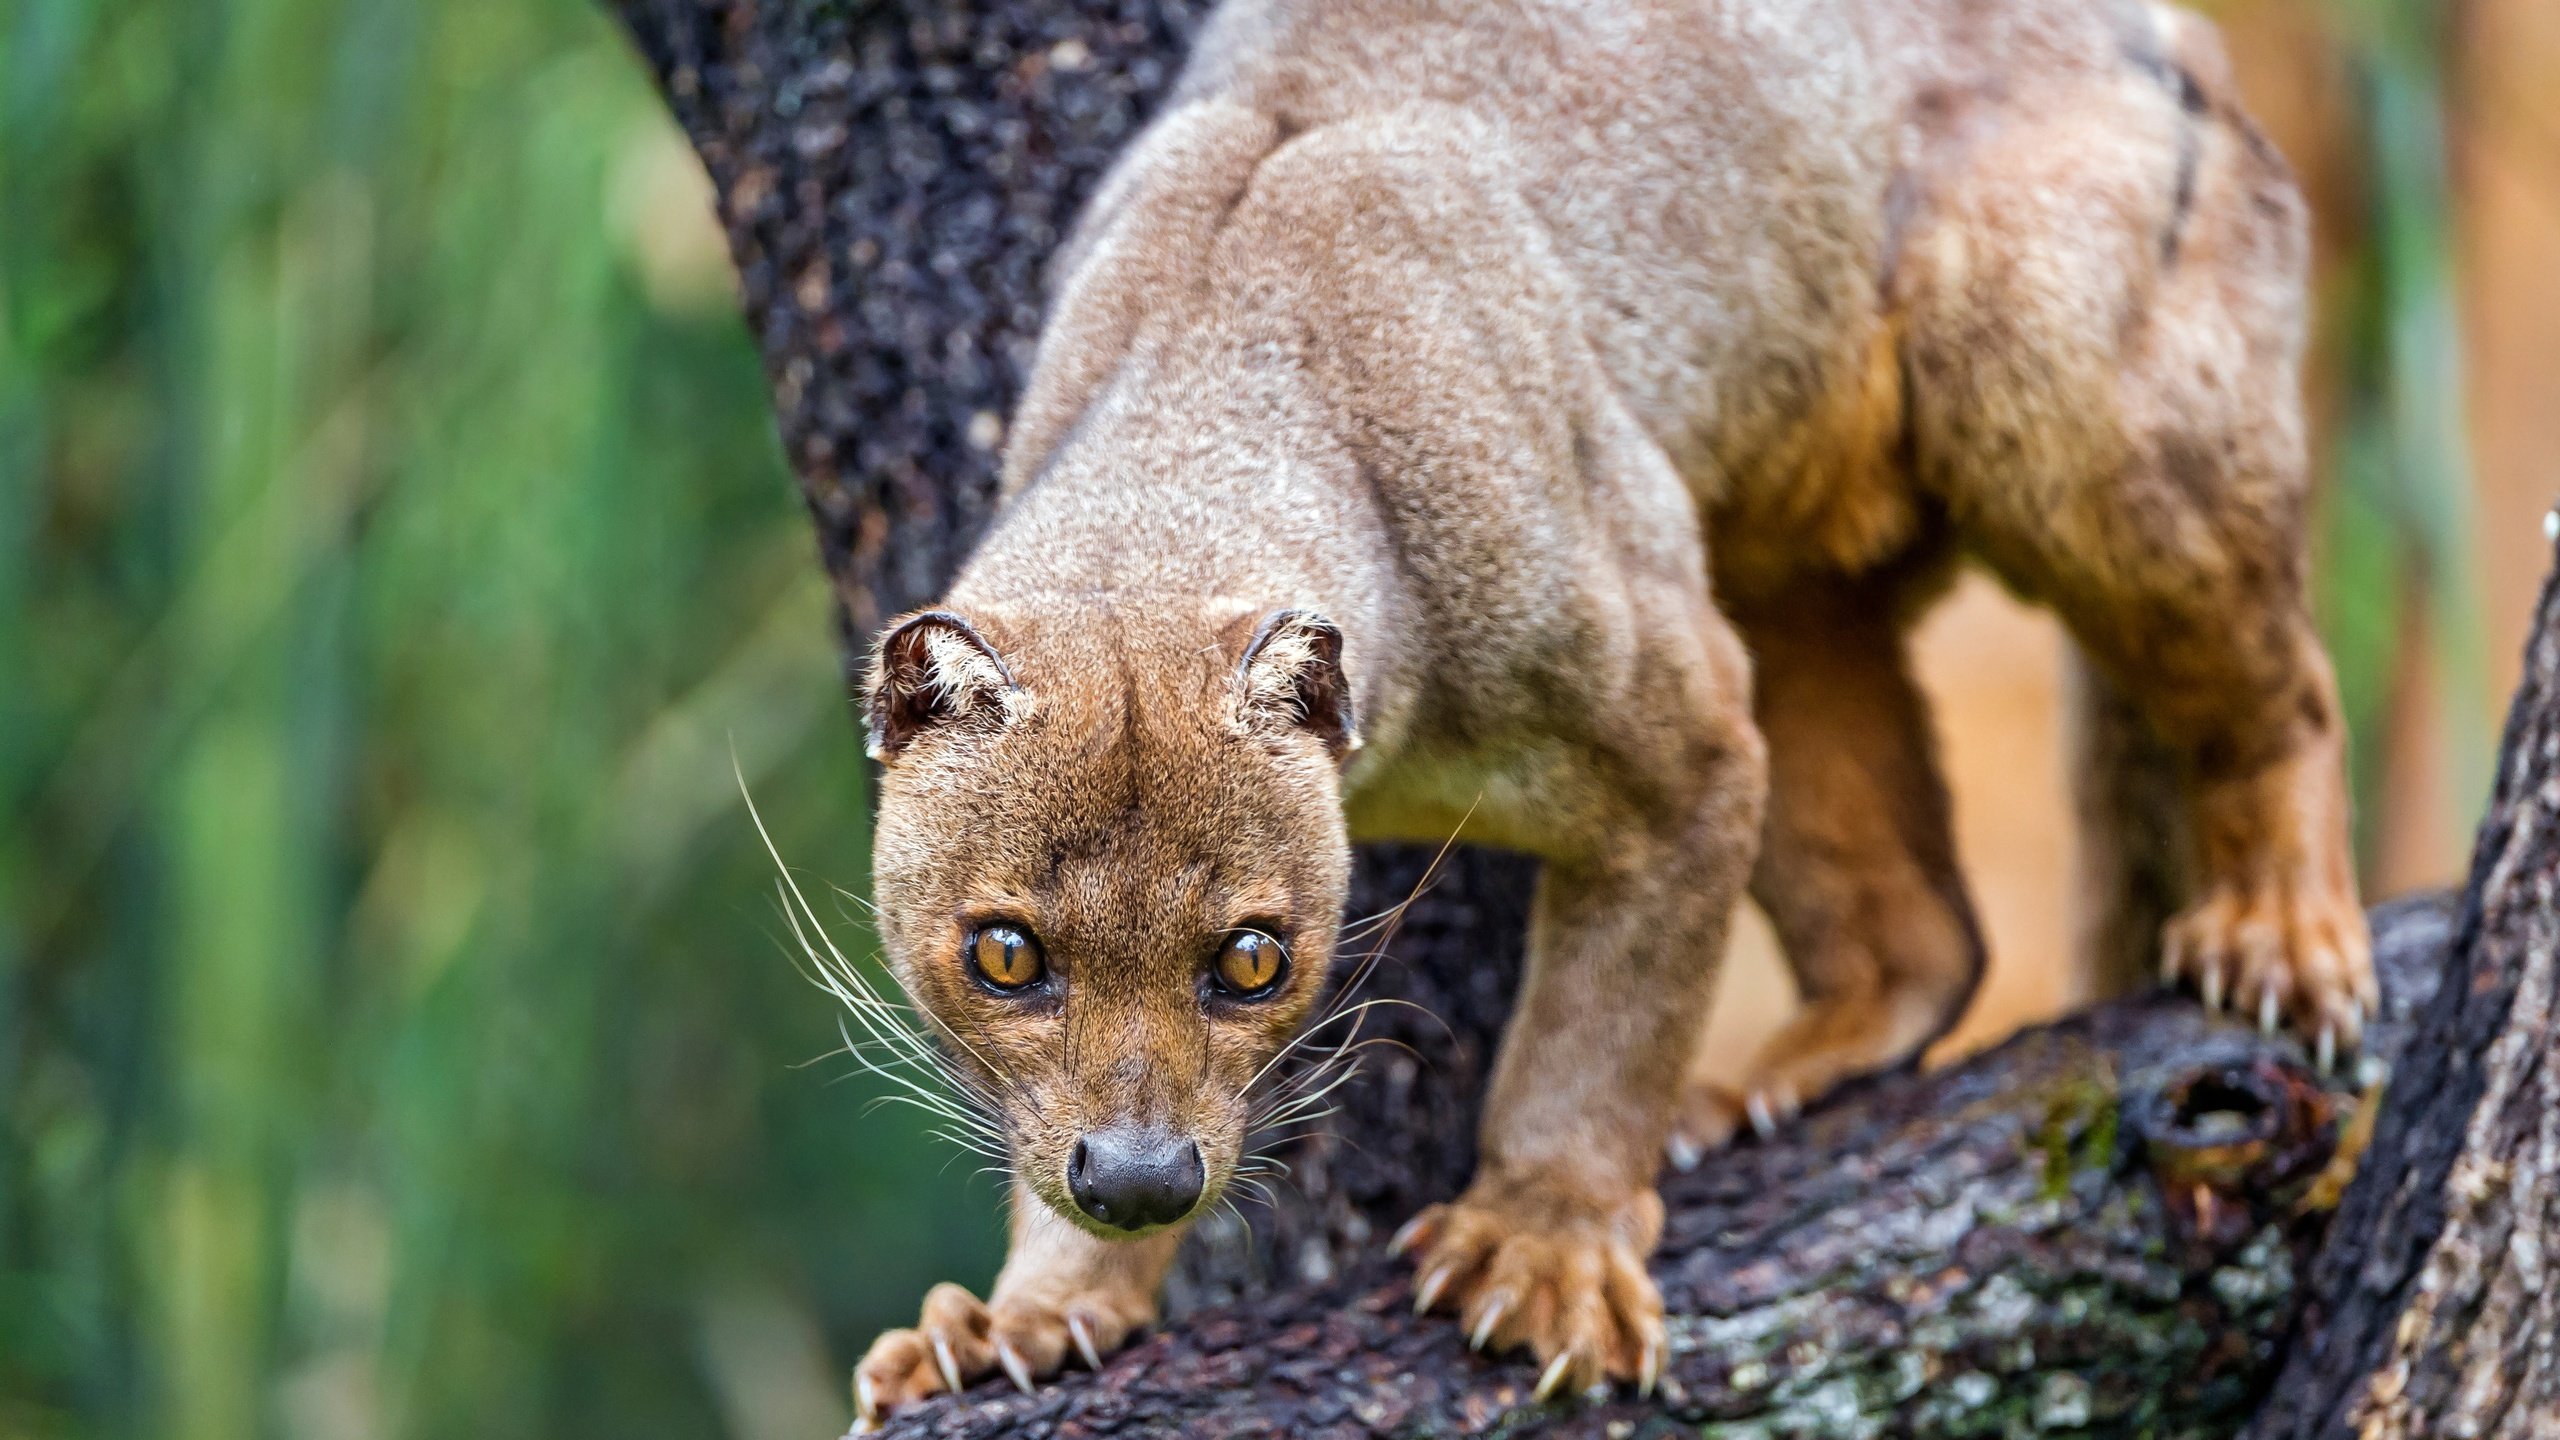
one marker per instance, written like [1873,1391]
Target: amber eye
[1251,964]
[1006,957]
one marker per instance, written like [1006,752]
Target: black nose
[1135,1178]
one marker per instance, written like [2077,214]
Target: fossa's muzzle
[1135,1178]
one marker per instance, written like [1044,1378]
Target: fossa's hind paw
[1828,1042]
[2274,953]
[1710,1117]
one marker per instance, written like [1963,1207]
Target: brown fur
[1427,343]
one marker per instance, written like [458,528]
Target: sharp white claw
[1757,1107]
[1649,1371]
[1493,1313]
[1553,1380]
[1405,1236]
[1014,1368]
[1429,1290]
[2212,987]
[1083,1336]
[1684,1153]
[866,1406]
[2327,1051]
[2267,1011]
[943,1362]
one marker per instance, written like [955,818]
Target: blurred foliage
[394,1038]
[2392,570]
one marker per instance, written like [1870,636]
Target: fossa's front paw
[1567,1284]
[2274,952]
[961,1340]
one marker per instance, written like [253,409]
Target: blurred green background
[394,1038]
[394,1035]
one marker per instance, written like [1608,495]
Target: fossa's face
[1115,896]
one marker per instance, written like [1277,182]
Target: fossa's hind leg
[2103,323]
[1857,869]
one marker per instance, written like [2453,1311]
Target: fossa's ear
[1291,677]
[933,669]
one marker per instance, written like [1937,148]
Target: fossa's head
[1110,863]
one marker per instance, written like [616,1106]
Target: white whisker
[893,1045]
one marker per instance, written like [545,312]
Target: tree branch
[2097,1225]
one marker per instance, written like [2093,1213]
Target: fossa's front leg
[1546,1249]
[1062,1294]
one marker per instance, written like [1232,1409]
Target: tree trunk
[2436,1312]
[2097,1226]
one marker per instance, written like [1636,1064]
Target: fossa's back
[1730,183]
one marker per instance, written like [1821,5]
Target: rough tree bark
[2097,1227]
[2433,1312]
